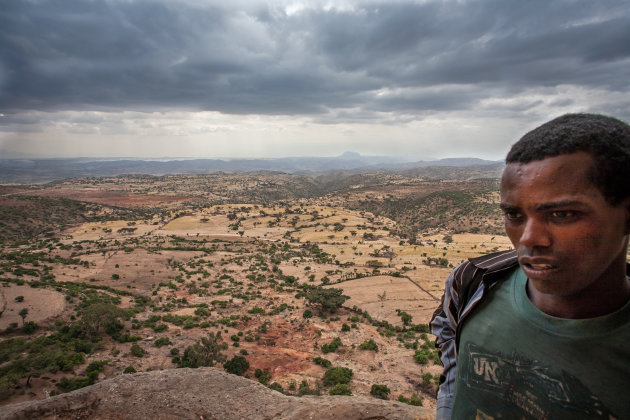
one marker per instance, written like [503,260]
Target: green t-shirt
[516,362]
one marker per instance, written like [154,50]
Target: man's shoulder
[495,260]
[470,272]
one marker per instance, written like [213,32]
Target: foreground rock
[202,394]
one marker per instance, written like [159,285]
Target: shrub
[276,387]
[413,400]
[380,391]
[129,369]
[162,341]
[369,345]
[202,312]
[263,376]
[23,314]
[237,365]
[137,351]
[67,360]
[256,310]
[307,314]
[206,352]
[74,383]
[332,346]
[340,389]
[423,355]
[345,327]
[420,357]
[100,316]
[160,327]
[278,309]
[427,378]
[337,375]
[322,362]
[329,299]
[94,368]
[405,317]
[29,327]
[422,328]
[305,389]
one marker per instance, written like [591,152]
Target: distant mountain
[35,171]
[458,162]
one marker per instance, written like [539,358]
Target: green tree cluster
[380,391]
[237,365]
[329,299]
[332,346]
[206,352]
[369,345]
[337,375]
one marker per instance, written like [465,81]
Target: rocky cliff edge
[202,394]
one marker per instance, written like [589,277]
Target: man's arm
[443,325]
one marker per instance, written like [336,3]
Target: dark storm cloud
[252,57]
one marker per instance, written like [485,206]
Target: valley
[285,279]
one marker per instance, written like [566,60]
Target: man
[543,331]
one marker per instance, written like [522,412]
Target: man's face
[568,237]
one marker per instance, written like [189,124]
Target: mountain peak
[350,155]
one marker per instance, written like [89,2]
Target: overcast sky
[197,78]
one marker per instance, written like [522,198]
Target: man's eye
[563,215]
[513,215]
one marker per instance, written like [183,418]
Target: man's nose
[535,234]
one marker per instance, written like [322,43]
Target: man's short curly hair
[606,139]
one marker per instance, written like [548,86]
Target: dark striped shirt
[465,287]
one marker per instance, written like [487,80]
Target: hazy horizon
[400,158]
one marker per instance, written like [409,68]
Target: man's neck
[587,304]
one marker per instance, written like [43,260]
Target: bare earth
[42,304]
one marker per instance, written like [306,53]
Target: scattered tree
[405,317]
[380,391]
[340,389]
[238,365]
[206,352]
[23,312]
[129,369]
[337,375]
[413,400]
[369,345]
[137,351]
[329,299]
[102,315]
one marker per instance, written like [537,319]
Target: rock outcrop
[202,394]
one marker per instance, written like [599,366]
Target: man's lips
[537,264]
[540,266]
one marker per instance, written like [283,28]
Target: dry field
[42,304]
[242,269]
